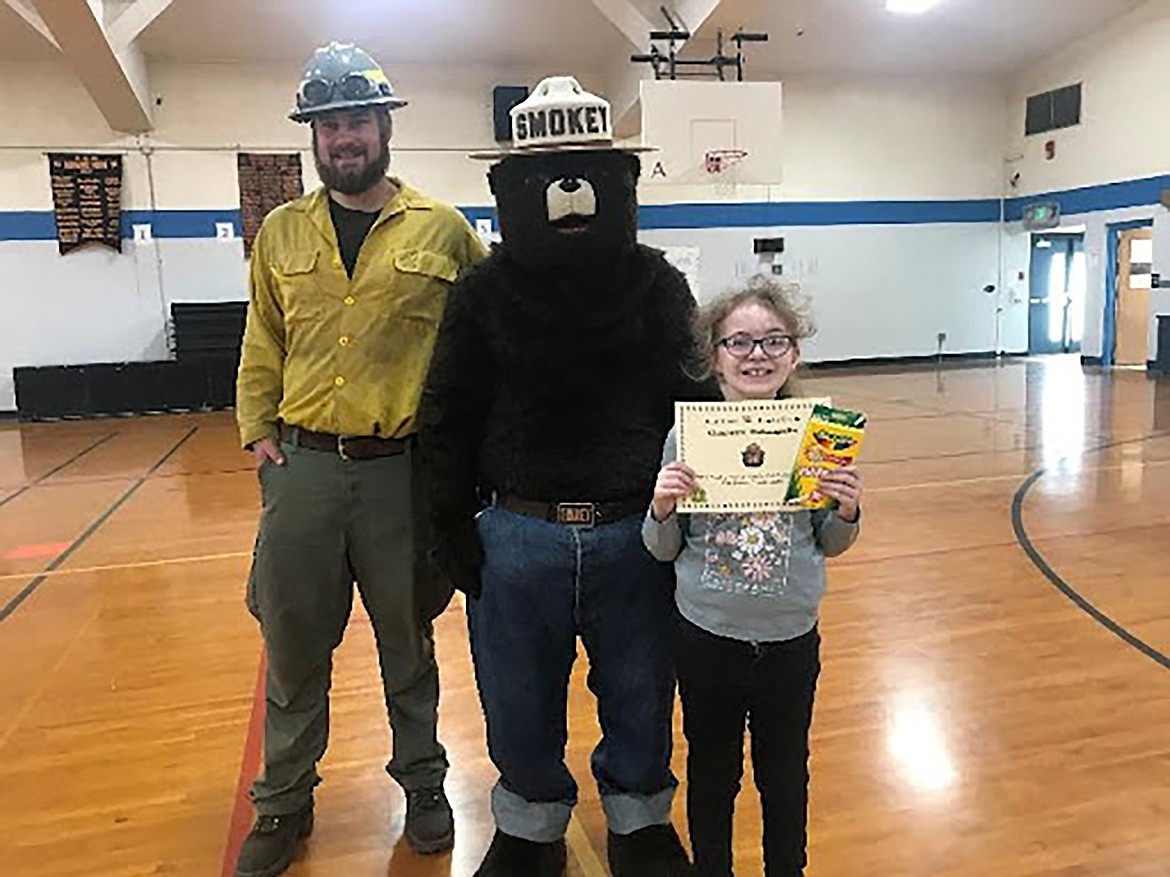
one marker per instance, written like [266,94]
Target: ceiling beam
[626,17]
[624,77]
[693,14]
[32,18]
[133,20]
[114,76]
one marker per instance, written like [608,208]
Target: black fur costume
[559,357]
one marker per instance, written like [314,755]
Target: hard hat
[340,76]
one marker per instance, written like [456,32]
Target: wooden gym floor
[994,702]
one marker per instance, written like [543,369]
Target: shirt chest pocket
[301,289]
[420,283]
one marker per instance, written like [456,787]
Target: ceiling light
[910,7]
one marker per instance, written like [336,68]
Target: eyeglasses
[351,87]
[741,345]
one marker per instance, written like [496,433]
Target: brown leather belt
[574,514]
[348,447]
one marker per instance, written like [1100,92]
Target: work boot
[655,851]
[512,857]
[272,843]
[429,826]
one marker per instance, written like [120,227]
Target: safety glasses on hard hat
[351,87]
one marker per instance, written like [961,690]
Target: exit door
[1135,255]
[1056,298]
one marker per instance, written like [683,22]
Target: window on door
[1141,264]
[1056,315]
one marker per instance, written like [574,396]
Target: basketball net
[721,166]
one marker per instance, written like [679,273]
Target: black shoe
[655,851]
[512,857]
[429,826]
[271,845]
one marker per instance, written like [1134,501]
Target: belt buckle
[341,448]
[577,514]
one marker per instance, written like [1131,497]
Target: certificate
[742,453]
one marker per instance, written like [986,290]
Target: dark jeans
[722,682]
[544,585]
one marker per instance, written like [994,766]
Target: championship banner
[87,199]
[266,181]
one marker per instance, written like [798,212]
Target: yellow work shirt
[348,357]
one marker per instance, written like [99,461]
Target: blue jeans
[544,585]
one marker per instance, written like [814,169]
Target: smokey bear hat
[560,116]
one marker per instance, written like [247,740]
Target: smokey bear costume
[542,423]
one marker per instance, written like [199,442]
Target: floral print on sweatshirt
[748,554]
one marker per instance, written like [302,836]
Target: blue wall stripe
[41,226]
[27,225]
[474,213]
[1091,199]
[794,213]
[181,223]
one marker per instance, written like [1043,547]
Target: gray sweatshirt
[757,577]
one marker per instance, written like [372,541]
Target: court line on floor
[939,415]
[932,411]
[951,482]
[31,588]
[241,819]
[872,559]
[141,564]
[108,479]
[580,847]
[1059,582]
[978,479]
[1023,449]
[237,555]
[56,469]
[35,698]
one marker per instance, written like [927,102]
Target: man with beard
[347,288]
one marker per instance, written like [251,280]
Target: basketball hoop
[719,160]
[720,165]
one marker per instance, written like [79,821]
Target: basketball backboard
[713,139]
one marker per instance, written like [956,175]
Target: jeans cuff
[628,813]
[541,822]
